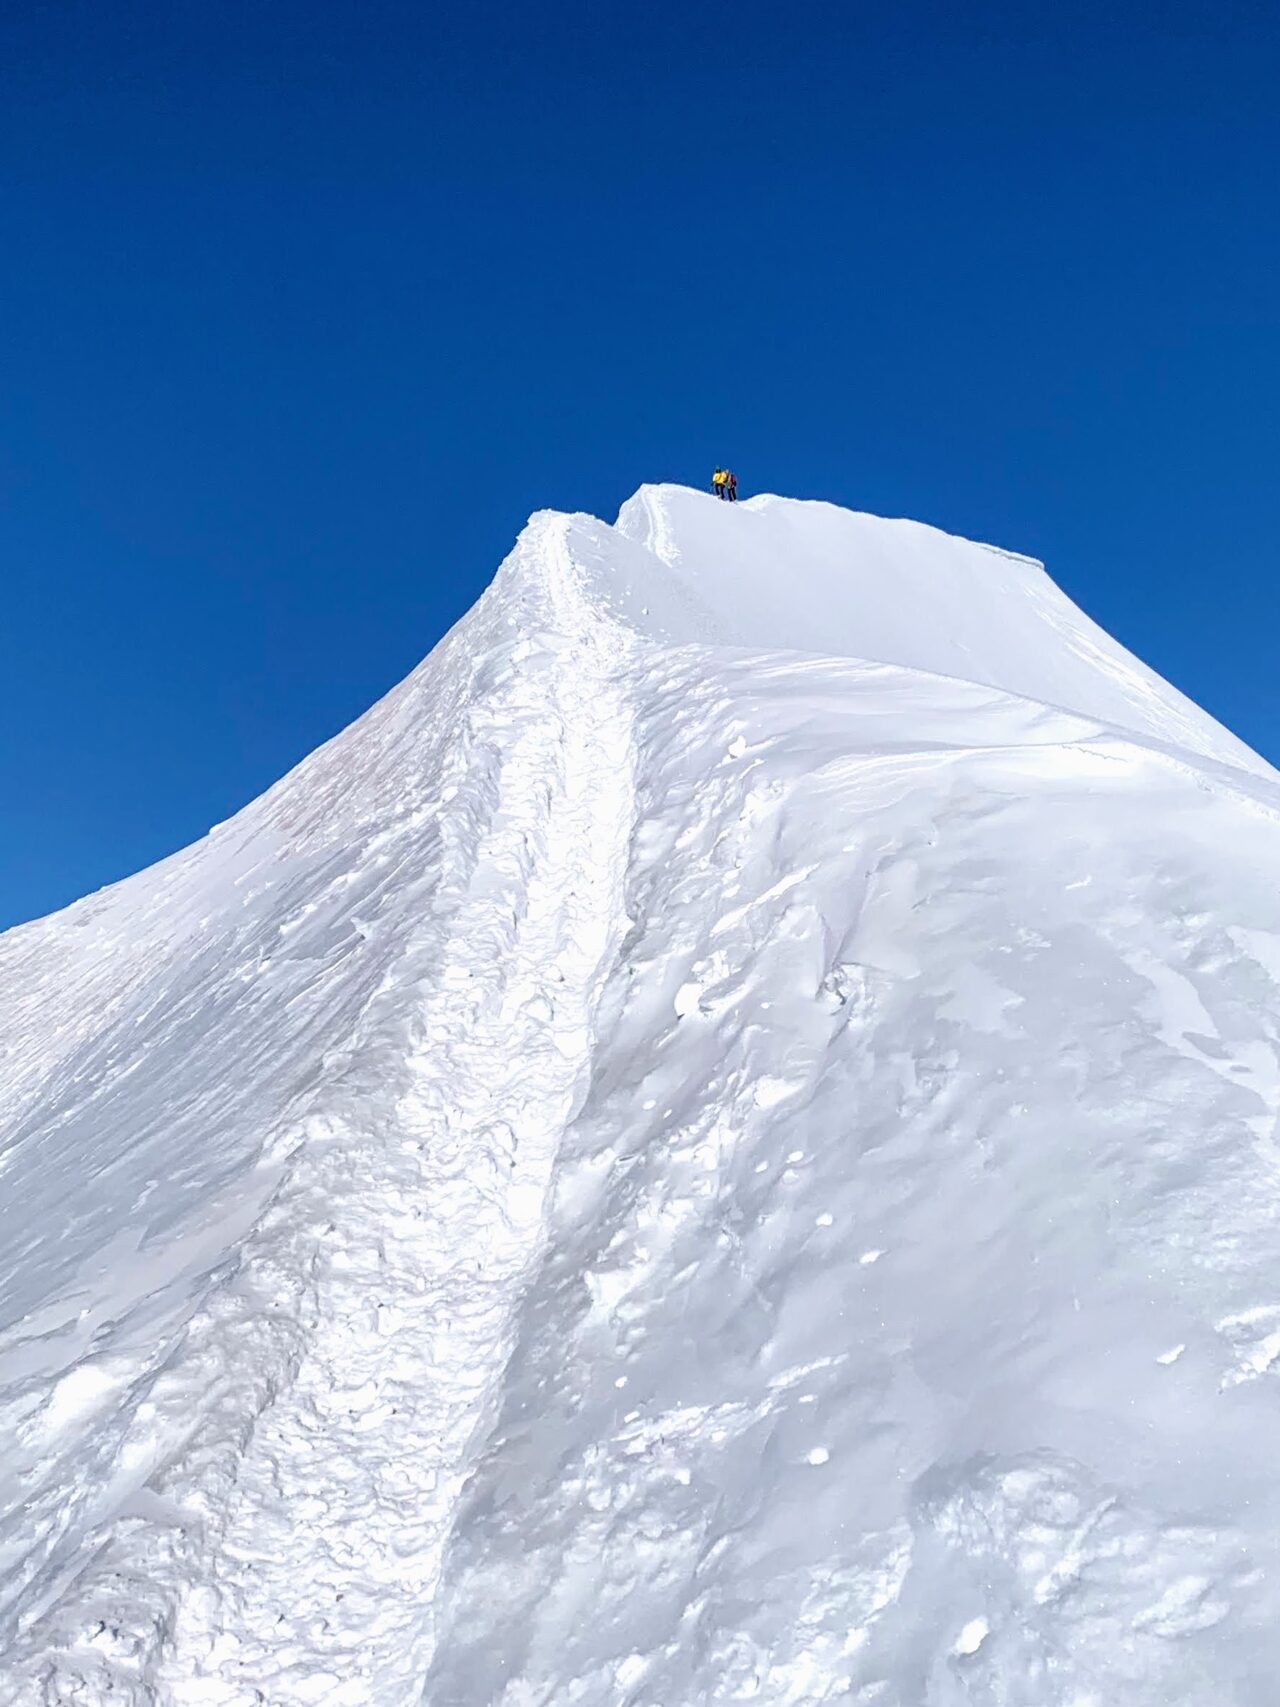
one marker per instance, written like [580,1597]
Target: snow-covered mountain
[718,1145]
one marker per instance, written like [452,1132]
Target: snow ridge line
[291,1553]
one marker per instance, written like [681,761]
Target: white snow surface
[718,1145]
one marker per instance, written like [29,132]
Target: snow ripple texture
[719,1145]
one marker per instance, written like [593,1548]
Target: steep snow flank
[358,1017]
[909,1307]
[720,1144]
[778,572]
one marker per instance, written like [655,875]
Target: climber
[731,487]
[720,482]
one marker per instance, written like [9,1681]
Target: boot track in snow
[315,1525]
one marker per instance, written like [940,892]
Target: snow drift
[719,1145]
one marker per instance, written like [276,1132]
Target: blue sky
[306,306]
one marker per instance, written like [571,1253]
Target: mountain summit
[718,1145]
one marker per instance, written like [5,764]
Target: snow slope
[720,1144]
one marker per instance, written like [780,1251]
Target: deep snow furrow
[290,1555]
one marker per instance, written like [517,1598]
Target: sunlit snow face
[667,1169]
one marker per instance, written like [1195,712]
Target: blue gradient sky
[306,306]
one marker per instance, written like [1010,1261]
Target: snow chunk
[972,1636]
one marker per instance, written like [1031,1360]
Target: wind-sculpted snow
[720,1145]
[773,572]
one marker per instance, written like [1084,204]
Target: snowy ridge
[720,1144]
[378,1259]
[445,1220]
[778,572]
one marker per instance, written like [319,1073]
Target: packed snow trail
[410,1328]
[328,1392]
[719,1145]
